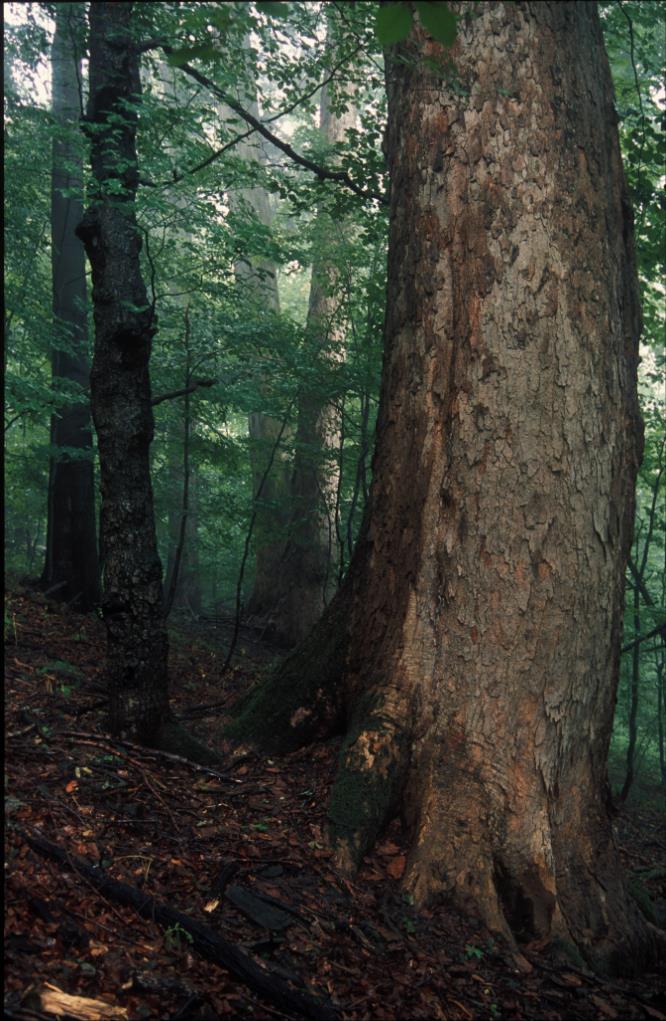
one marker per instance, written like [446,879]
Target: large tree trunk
[71,566]
[308,572]
[125,323]
[485,599]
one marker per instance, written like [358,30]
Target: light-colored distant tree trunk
[309,572]
[257,281]
[71,566]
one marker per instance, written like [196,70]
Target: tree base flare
[173,738]
[301,701]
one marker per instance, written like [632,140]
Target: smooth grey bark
[71,567]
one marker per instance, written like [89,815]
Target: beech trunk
[308,571]
[71,566]
[256,277]
[479,630]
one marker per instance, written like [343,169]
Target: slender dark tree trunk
[634,691]
[638,571]
[477,636]
[71,567]
[661,711]
[660,665]
[179,530]
[121,399]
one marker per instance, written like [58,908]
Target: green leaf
[438,20]
[272,8]
[393,23]
[60,666]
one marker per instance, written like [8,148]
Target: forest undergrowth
[241,853]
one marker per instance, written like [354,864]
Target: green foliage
[438,20]
[198,220]
[272,9]
[393,24]
[62,667]
[176,938]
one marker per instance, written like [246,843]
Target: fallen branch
[205,940]
[101,740]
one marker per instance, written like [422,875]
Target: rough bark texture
[485,628]
[71,566]
[308,572]
[120,383]
[137,644]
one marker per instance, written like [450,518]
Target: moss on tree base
[301,701]
[369,782]
[174,739]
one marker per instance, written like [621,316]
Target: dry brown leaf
[396,867]
[604,1006]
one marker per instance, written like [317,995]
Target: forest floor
[241,852]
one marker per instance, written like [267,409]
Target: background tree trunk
[257,278]
[137,645]
[182,587]
[484,622]
[308,573]
[71,566]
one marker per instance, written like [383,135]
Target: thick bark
[71,566]
[482,665]
[308,572]
[137,646]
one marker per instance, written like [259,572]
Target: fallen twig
[204,939]
[82,737]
